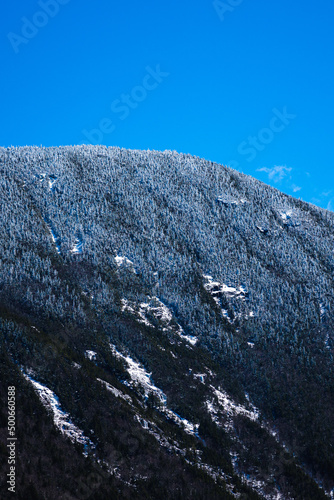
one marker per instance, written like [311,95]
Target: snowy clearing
[140,377]
[216,288]
[61,419]
[54,236]
[160,312]
[124,261]
[220,292]
[77,247]
[228,408]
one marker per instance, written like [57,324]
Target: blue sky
[247,83]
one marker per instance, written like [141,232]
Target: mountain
[167,324]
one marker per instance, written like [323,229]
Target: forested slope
[182,314]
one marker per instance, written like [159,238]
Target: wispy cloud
[330,202]
[277,173]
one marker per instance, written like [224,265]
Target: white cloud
[295,188]
[276,173]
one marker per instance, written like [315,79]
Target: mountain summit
[167,323]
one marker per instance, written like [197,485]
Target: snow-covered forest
[182,293]
[176,218]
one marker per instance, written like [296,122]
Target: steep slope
[168,324]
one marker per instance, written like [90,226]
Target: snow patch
[140,377]
[216,288]
[233,408]
[161,312]
[229,408]
[220,291]
[77,247]
[322,310]
[124,261]
[286,216]
[140,313]
[117,393]
[262,229]
[54,236]
[289,217]
[61,419]
[52,181]
[91,355]
[155,431]
[200,376]
[156,308]
[228,200]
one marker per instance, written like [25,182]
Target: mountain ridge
[128,263]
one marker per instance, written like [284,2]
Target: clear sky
[247,83]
